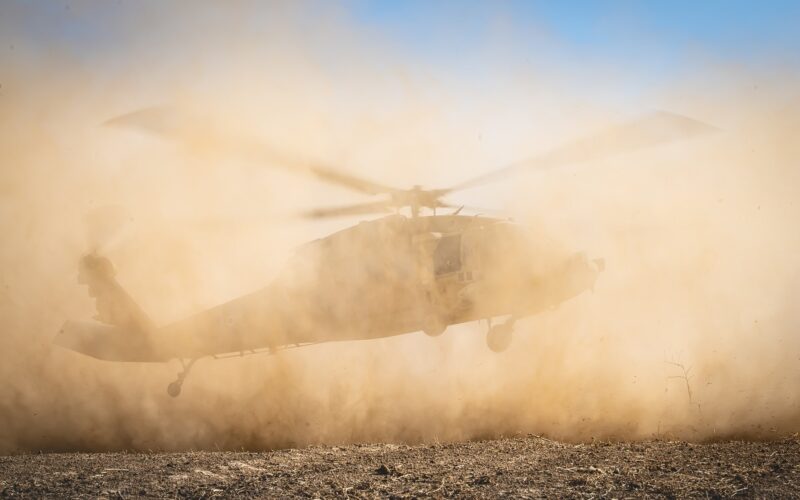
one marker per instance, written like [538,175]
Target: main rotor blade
[656,128]
[167,122]
[358,209]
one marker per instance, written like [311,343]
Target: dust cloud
[691,333]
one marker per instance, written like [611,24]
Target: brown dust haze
[691,333]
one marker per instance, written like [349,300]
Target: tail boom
[107,342]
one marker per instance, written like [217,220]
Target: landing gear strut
[498,338]
[174,389]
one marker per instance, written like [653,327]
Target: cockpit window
[447,256]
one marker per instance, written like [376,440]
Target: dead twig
[684,377]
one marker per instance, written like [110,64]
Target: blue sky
[622,31]
[626,48]
[728,27]
[445,30]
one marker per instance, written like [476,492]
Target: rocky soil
[524,467]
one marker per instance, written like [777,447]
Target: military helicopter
[412,270]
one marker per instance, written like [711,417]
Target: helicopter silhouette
[411,270]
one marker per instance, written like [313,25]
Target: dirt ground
[522,467]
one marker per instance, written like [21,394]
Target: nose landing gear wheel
[498,338]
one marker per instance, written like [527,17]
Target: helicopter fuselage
[387,277]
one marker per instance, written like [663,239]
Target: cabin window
[447,256]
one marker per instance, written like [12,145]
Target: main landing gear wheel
[434,327]
[174,388]
[498,338]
